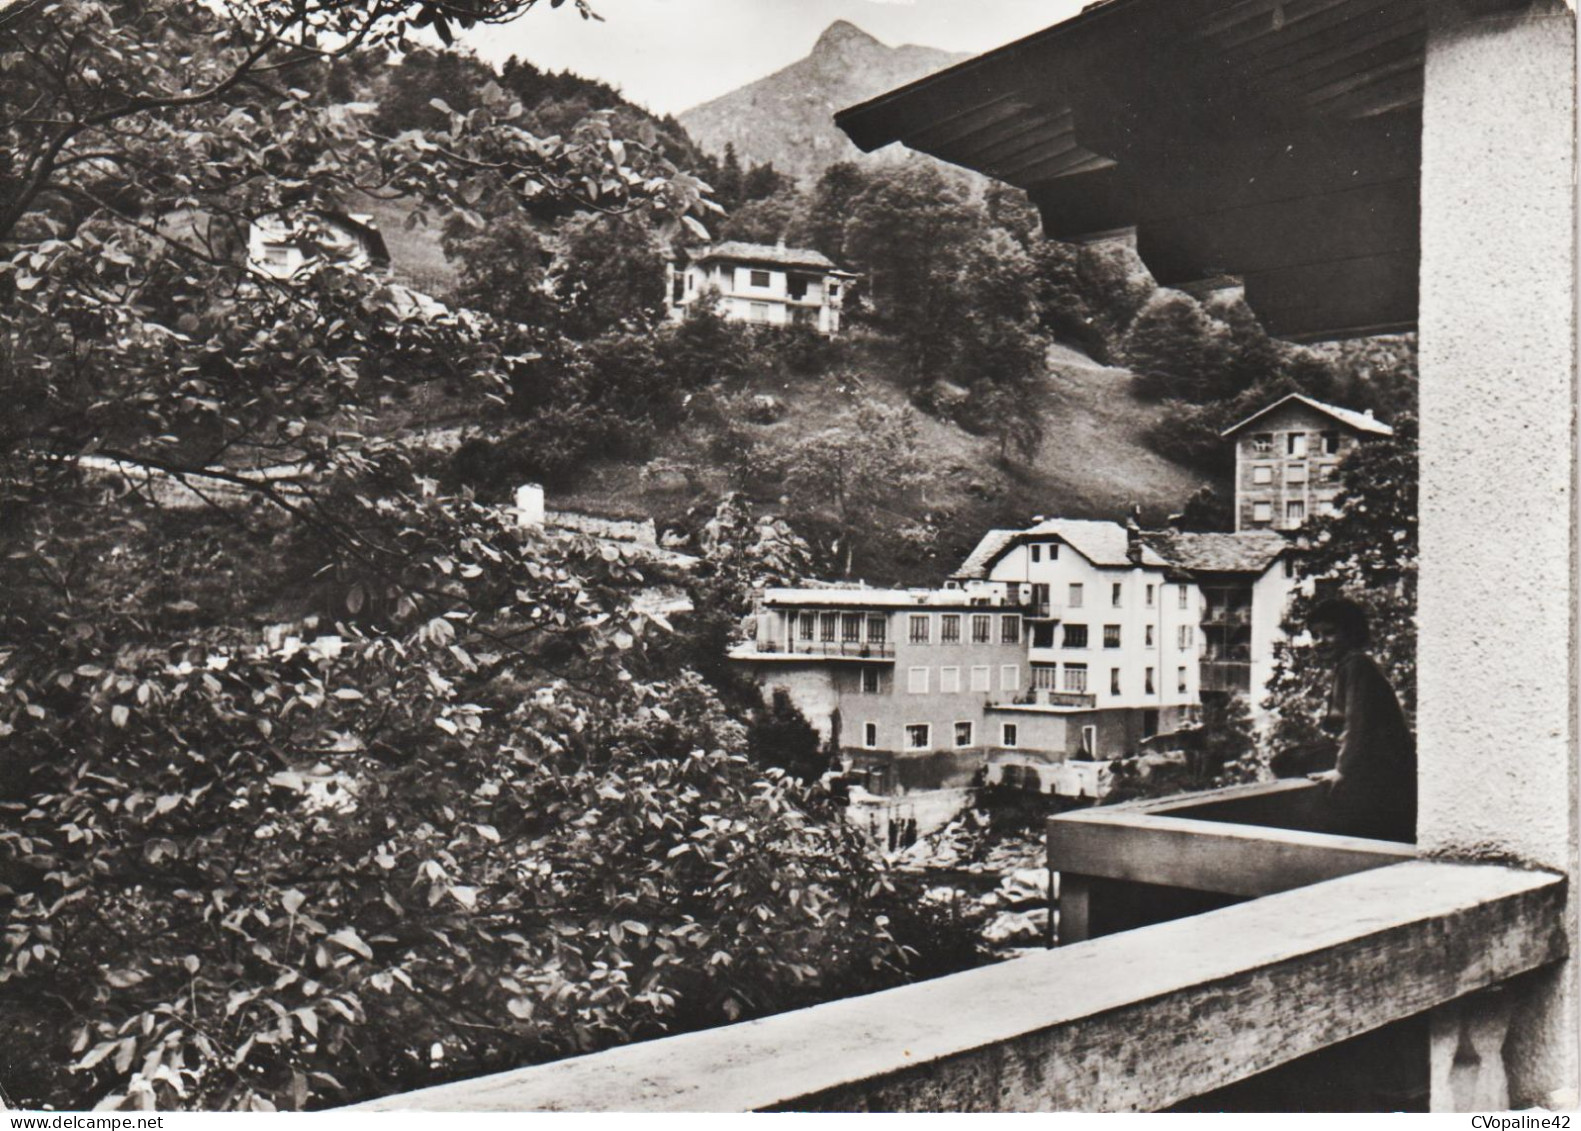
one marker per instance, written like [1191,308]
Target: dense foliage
[464,807]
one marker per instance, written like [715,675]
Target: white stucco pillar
[1497,717]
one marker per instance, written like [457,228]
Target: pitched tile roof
[1250,551]
[775,254]
[1102,543]
[1360,421]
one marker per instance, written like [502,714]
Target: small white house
[772,285]
[279,247]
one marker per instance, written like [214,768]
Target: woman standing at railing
[1372,787]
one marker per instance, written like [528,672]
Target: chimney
[1133,536]
[529,506]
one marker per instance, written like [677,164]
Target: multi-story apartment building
[1071,640]
[1112,637]
[1287,460]
[1245,581]
[772,285]
[897,678]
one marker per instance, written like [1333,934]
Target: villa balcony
[1048,697]
[1204,963]
[782,650]
[1227,617]
[1226,675]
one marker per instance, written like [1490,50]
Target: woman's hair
[1345,615]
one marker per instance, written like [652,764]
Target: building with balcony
[1287,459]
[1244,582]
[1069,641]
[770,285]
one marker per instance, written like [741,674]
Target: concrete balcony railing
[1049,697]
[1325,940]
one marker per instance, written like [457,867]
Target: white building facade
[770,285]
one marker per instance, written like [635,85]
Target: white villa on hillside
[279,248]
[772,285]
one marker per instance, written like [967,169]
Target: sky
[670,55]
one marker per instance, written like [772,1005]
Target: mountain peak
[843,33]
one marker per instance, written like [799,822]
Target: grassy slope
[1093,464]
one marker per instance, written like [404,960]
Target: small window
[1089,741]
[1263,442]
[760,279]
[1008,735]
[1183,597]
[981,676]
[950,628]
[851,627]
[1147,682]
[1075,594]
[1076,677]
[758,312]
[1290,567]
[917,681]
[1328,472]
[1147,636]
[833,289]
[982,628]
[1111,636]
[1010,629]
[1149,723]
[1262,474]
[919,736]
[963,734]
[1262,512]
[1117,594]
[1043,636]
[950,680]
[870,735]
[876,625]
[1296,473]
[826,626]
[1075,636]
[1295,511]
[1045,676]
[869,681]
[1152,591]
[809,625]
[1114,681]
[919,628]
[1331,443]
[1037,552]
[1296,444]
[1185,636]
[1009,677]
[1181,679]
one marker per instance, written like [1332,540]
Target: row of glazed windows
[919,736]
[1297,444]
[919,681]
[1295,474]
[920,628]
[1076,636]
[1073,678]
[1077,595]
